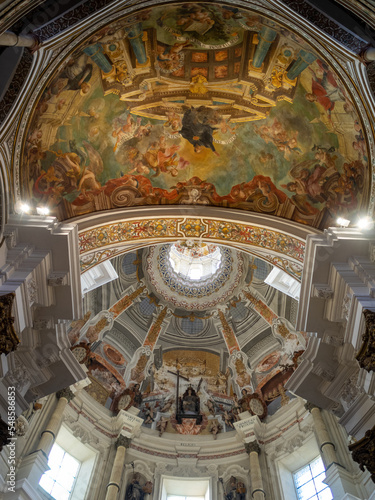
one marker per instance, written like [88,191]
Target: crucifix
[177,386]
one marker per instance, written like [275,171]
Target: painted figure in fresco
[135,491]
[325,89]
[195,18]
[78,72]
[197,131]
[169,57]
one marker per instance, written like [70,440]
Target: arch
[110,233]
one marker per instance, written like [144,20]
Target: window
[309,482]
[59,480]
[174,488]
[176,497]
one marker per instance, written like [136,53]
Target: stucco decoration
[197,105]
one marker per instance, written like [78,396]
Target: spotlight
[365,223]
[22,208]
[42,210]
[343,222]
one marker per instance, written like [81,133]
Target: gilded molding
[8,336]
[366,355]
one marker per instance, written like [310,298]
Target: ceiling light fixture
[21,207]
[365,223]
[42,211]
[342,222]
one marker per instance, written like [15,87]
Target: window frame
[308,465]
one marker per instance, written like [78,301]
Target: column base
[23,491]
[341,483]
[32,468]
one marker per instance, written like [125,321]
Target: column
[49,434]
[93,331]
[10,39]
[266,36]
[113,486]
[369,54]
[290,339]
[326,446]
[135,371]
[96,53]
[135,35]
[303,61]
[257,491]
[228,334]
[237,359]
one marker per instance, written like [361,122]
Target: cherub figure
[215,428]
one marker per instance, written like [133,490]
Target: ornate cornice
[8,336]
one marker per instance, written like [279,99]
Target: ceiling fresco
[197,104]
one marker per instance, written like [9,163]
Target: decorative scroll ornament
[366,355]
[8,336]
[363,452]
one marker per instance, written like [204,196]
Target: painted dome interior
[192,341]
[197,104]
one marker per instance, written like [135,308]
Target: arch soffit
[107,234]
